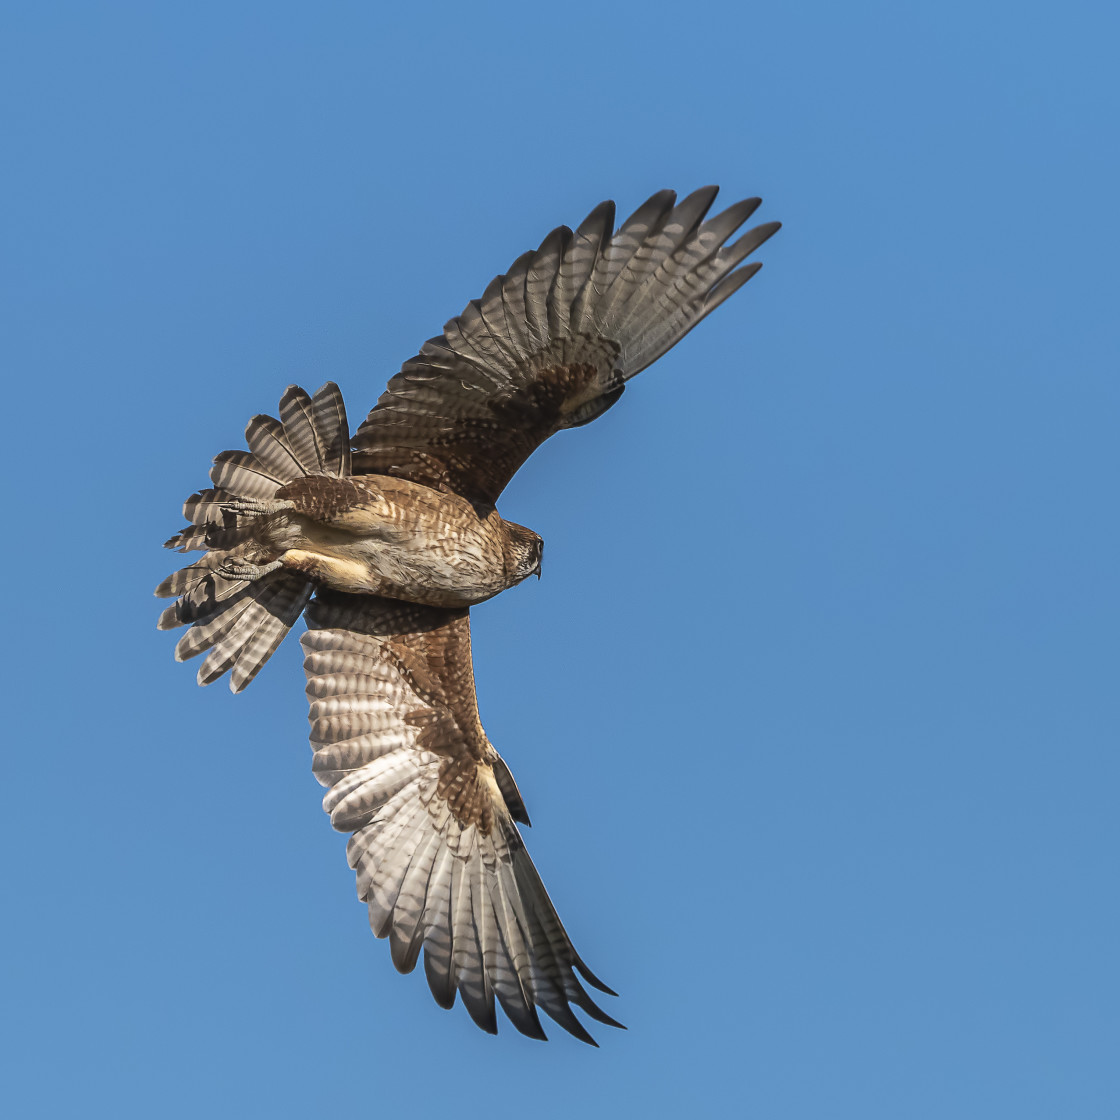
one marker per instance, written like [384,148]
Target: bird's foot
[234,568]
[256,507]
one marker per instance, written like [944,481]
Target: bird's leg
[256,507]
[236,568]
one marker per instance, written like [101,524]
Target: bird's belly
[436,571]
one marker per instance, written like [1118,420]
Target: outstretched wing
[551,343]
[431,808]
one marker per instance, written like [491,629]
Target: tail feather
[200,601]
[256,628]
[244,476]
[204,511]
[190,539]
[268,442]
[208,630]
[212,525]
[228,539]
[201,574]
[298,418]
[216,537]
[240,623]
[205,507]
[329,418]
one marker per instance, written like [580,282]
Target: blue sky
[815,709]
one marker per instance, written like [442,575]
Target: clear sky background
[816,709]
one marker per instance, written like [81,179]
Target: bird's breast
[414,544]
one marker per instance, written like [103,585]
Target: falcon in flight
[385,540]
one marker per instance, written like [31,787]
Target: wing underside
[439,861]
[552,342]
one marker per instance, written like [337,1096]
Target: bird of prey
[385,540]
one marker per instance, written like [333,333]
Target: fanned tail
[242,622]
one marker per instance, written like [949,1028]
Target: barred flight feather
[297,421]
[509,371]
[242,622]
[462,891]
[243,475]
[328,414]
[266,440]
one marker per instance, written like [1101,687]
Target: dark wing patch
[481,451]
[439,861]
[551,343]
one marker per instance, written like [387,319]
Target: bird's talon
[255,507]
[243,570]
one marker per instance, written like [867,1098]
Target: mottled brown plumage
[397,538]
[378,535]
[479,455]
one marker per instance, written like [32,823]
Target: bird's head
[524,550]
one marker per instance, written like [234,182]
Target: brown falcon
[386,540]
